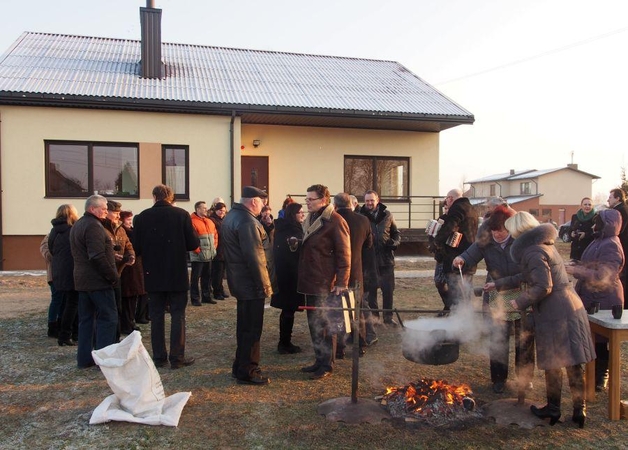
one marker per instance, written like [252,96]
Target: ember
[430,400]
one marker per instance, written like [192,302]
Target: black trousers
[128,305]
[387,285]
[200,272]
[500,348]
[217,276]
[323,339]
[69,317]
[250,322]
[157,309]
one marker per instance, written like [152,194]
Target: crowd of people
[528,292]
[110,270]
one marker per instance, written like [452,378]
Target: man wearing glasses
[324,267]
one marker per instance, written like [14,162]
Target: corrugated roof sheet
[101,67]
[525,175]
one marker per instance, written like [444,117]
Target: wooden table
[616,330]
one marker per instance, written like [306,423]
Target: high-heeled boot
[575,375]
[553,386]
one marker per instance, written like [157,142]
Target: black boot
[601,366]
[554,386]
[53,329]
[285,346]
[576,384]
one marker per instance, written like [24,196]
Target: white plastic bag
[138,395]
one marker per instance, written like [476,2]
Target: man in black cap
[242,240]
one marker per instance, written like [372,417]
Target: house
[551,194]
[80,115]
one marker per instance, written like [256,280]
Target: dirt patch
[23,294]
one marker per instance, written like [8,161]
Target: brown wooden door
[255,172]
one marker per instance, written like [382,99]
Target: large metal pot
[438,349]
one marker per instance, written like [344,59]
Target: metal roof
[91,69]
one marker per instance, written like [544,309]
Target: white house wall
[564,187]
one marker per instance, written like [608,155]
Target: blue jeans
[324,340]
[98,316]
[55,310]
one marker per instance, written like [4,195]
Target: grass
[46,402]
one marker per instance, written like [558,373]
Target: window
[79,169]
[534,212]
[388,176]
[492,190]
[546,212]
[175,170]
[525,187]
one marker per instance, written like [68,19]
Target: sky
[547,80]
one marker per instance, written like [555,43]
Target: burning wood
[430,400]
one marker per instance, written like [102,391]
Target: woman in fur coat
[563,336]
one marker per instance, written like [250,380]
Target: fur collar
[318,223]
[543,234]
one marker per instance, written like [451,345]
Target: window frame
[186,149]
[90,167]
[374,160]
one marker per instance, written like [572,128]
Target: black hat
[252,191]
[114,206]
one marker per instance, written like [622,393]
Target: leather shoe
[196,303]
[210,301]
[340,355]
[256,380]
[310,369]
[391,323]
[499,387]
[219,297]
[320,374]
[373,341]
[186,362]
[160,363]
[66,342]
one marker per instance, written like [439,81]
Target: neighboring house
[552,194]
[80,115]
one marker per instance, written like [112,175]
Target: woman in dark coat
[581,228]
[504,278]
[598,279]
[562,333]
[132,283]
[288,235]
[63,271]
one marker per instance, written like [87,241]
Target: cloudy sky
[546,79]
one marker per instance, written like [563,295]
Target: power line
[539,55]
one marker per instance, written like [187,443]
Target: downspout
[500,188]
[1,192]
[231,153]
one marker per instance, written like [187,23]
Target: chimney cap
[512,171]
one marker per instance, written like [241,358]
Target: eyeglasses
[307,199]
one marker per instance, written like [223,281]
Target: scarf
[582,217]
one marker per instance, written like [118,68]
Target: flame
[426,392]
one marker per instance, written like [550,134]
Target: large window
[525,188]
[175,170]
[80,169]
[388,176]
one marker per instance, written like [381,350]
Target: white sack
[138,395]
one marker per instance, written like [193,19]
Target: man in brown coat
[324,268]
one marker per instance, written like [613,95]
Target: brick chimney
[150,19]
[573,166]
[512,171]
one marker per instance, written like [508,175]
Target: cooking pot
[430,347]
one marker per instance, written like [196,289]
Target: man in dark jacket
[324,268]
[386,238]
[242,240]
[95,275]
[456,234]
[362,260]
[164,234]
[617,200]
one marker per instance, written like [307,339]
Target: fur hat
[498,217]
[114,206]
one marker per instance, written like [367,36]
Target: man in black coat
[95,275]
[242,240]
[457,233]
[617,200]
[362,260]
[164,234]
[386,239]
